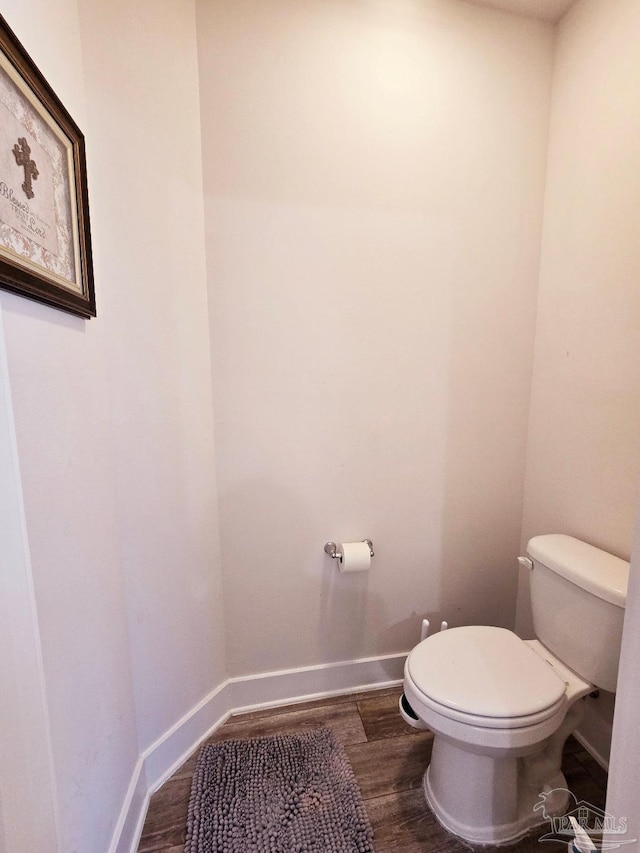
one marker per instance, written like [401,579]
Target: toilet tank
[578,599]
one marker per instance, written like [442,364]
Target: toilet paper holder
[332,549]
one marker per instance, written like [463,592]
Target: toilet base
[487,800]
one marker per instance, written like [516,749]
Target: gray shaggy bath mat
[283,794]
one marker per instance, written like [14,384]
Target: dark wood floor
[388,758]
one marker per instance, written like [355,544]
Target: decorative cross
[22,153]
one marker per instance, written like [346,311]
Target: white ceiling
[545,10]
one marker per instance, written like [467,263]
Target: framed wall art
[45,241]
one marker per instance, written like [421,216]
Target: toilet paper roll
[354,556]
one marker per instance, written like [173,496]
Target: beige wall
[373,180]
[141,75]
[26,767]
[114,416]
[583,455]
[56,369]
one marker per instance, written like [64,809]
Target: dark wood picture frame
[45,239]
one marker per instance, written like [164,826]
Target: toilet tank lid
[595,571]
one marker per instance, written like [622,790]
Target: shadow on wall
[490,342]
[288,605]
[346,609]
[298,609]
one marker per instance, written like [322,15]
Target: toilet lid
[489,672]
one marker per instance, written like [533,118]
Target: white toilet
[501,708]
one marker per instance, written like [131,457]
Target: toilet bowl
[501,708]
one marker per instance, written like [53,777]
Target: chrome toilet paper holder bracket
[331,549]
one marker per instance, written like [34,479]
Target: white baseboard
[136,801]
[270,689]
[236,695]
[171,750]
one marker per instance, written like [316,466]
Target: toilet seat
[485,677]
